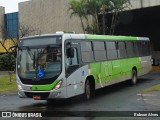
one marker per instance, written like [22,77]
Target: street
[119,97]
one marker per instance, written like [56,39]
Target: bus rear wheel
[89,90]
[134,77]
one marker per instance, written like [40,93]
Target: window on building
[11,25]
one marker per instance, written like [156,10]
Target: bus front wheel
[134,76]
[89,91]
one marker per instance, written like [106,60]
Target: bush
[7,62]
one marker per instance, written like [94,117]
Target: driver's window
[72,61]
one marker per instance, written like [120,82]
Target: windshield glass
[44,62]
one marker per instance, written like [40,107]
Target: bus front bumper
[42,95]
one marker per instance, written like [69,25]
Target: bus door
[116,68]
[104,71]
[72,67]
[113,62]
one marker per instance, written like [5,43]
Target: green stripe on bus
[109,37]
[44,87]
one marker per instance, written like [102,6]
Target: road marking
[145,99]
[149,95]
[139,99]
[142,99]
[146,95]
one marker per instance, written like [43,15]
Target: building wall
[48,16]
[136,4]
[2,12]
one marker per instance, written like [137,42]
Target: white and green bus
[60,65]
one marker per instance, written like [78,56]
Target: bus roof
[111,37]
[92,37]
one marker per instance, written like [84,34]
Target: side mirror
[70,52]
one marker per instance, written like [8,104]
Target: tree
[94,8]
[4,40]
[27,30]
[105,8]
[24,31]
[7,62]
[78,8]
[117,6]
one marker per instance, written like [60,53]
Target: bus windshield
[43,62]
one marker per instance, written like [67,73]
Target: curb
[9,94]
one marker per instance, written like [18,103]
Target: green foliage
[117,6]
[7,62]
[78,8]
[94,8]
[6,86]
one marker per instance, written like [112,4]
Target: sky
[10,5]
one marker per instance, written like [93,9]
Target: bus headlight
[58,85]
[19,87]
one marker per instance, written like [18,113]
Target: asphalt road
[119,97]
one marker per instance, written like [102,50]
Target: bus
[64,65]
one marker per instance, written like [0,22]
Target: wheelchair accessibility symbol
[40,73]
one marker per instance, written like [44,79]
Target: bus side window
[122,53]
[86,52]
[111,50]
[130,49]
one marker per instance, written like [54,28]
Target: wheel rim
[88,92]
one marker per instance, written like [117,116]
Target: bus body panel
[76,81]
[113,71]
[146,65]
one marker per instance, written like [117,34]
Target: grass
[153,88]
[6,86]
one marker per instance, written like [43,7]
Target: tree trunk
[83,28]
[97,23]
[114,25]
[104,25]
[3,46]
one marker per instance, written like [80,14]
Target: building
[8,28]
[49,16]
[2,13]
[11,25]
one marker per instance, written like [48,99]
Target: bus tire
[89,90]
[134,77]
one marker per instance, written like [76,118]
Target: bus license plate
[36,97]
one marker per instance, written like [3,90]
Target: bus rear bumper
[44,95]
